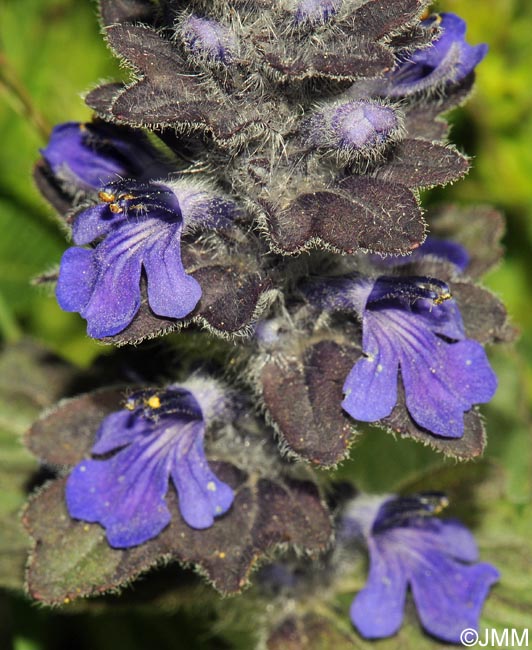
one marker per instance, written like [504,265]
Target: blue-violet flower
[446,250]
[408,546]
[411,324]
[136,227]
[448,59]
[155,437]
[88,156]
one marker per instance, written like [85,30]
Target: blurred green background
[51,52]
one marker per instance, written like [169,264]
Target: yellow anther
[443,503]
[106,197]
[444,295]
[115,208]
[126,197]
[130,406]
[154,402]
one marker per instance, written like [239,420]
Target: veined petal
[414,323]
[377,610]
[443,380]
[202,496]
[77,277]
[371,386]
[140,226]
[125,494]
[448,536]
[92,223]
[449,596]
[117,430]
[171,292]
[116,290]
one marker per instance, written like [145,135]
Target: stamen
[154,402]
[106,197]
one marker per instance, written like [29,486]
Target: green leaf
[31,378]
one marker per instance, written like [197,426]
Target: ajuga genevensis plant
[253,188]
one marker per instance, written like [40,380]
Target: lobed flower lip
[408,546]
[411,326]
[89,156]
[449,59]
[136,228]
[157,436]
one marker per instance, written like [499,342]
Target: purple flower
[443,249]
[136,227]
[410,547]
[351,127]
[448,59]
[409,324]
[88,156]
[157,436]
[209,39]
[315,12]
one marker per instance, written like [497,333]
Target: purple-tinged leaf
[358,213]
[168,94]
[121,11]
[479,229]
[485,316]
[303,399]
[347,60]
[63,435]
[101,99]
[418,163]
[72,559]
[376,19]
[231,299]
[470,445]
